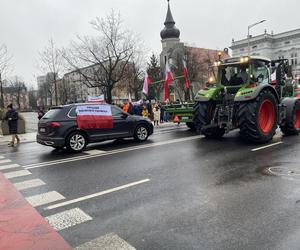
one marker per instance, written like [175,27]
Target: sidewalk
[21,226]
[27,137]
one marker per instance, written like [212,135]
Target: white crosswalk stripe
[17,174]
[9,166]
[107,242]
[29,184]
[95,152]
[45,198]
[5,161]
[68,218]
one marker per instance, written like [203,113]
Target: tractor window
[234,74]
[261,73]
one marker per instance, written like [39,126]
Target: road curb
[21,226]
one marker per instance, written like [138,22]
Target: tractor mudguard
[289,104]
[248,94]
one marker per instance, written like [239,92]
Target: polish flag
[147,82]
[94,116]
[186,74]
[168,79]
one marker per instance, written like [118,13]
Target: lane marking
[78,158]
[29,184]
[17,174]
[267,146]
[87,197]
[3,167]
[68,218]
[108,242]
[2,157]
[95,152]
[5,161]
[45,198]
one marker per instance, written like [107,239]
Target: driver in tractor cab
[240,77]
[243,74]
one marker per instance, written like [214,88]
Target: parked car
[58,128]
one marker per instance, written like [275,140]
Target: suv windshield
[234,74]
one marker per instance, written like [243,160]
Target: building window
[294,60]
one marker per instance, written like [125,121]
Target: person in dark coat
[12,118]
[130,109]
[41,113]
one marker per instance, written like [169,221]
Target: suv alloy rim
[142,133]
[77,142]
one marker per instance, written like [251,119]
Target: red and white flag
[273,78]
[186,74]
[168,79]
[147,82]
[94,116]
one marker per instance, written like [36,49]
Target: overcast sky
[27,25]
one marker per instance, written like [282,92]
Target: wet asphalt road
[201,194]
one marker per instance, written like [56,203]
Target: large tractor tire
[191,126]
[203,114]
[291,125]
[258,118]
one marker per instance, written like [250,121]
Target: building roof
[170,30]
[266,37]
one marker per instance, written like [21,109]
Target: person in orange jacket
[126,107]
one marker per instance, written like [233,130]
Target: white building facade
[273,46]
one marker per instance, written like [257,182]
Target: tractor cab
[239,72]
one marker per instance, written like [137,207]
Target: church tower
[170,39]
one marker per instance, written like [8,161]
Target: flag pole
[177,77]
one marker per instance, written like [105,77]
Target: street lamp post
[249,27]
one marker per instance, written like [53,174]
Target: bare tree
[51,62]
[102,60]
[134,75]
[4,64]
[17,85]
[32,97]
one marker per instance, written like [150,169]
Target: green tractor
[252,94]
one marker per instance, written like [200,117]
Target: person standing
[12,118]
[162,112]
[145,112]
[41,113]
[156,116]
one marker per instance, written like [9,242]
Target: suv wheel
[141,133]
[76,142]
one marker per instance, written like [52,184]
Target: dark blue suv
[58,128]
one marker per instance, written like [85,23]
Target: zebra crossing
[23,180]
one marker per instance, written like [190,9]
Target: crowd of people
[154,111]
